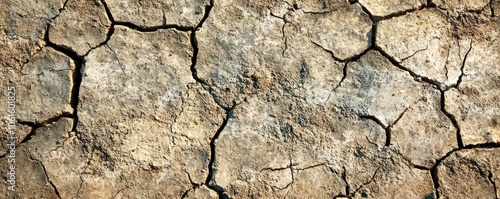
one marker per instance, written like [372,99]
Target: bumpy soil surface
[252,98]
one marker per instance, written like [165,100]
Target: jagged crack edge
[462,68]
[143,28]
[434,171]
[210,181]
[387,129]
[490,178]
[440,86]
[36,125]
[453,120]
[77,75]
[46,175]
[492,8]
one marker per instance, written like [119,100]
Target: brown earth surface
[251,99]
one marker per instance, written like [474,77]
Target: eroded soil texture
[252,98]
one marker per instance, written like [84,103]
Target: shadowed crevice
[375,19]
[36,125]
[194,59]
[210,181]
[440,86]
[456,85]
[435,180]
[153,28]
[434,168]
[76,74]
[453,120]
[142,28]
[490,178]
[349,59]
[379,122]
[492,8]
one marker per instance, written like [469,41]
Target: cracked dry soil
[253,99]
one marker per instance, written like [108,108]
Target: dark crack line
[108,34]
[277,169]
[283,28]
[64,6]
[80,187]
[416,166]
[344,178]
[194,58]
[291,172]
[453,120]
[46,36]
[208,8]
[462,68]
[388,129]
[492,8]
[348,187]
[133,26]
[76,75]
[405,12]
[375,19]
[365,10]
[78,61]
[388,133]
[420,50]
[309,167]
[446,64]
[349,59]
[46,175]
[290,167]
[371,46]
[108,12]
[30,58]
[122,67]
[373,38]
[399,117]
[329,52]
[371,142]
[490,178]
[119,191]
[434,170]
[435,180]
[285,38]
[428,80]
[59,12]
[375,119]
[291,8]
[193,184]
[344,75]
[481,10]
[317,13]
[420,167]
[185,194]
[111,29]
[365,183]
[153,28]
[36,125]
[210,181]
[140,28]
